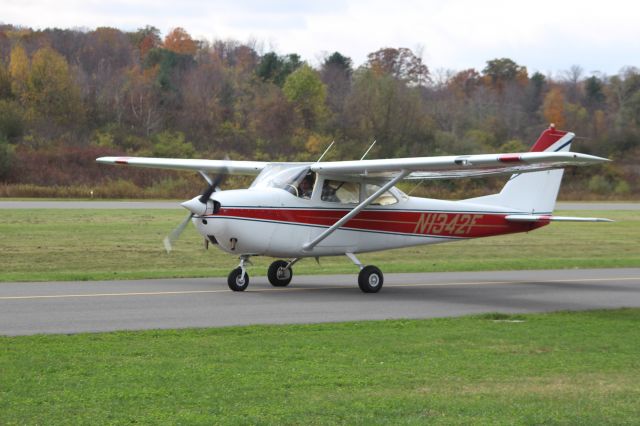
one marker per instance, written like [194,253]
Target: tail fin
[534,192]
[553,140]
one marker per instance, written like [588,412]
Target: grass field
[118,244]
[561,368]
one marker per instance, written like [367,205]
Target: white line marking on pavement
[185,292]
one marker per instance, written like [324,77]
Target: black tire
[370,279]
[236,281]
[279,275]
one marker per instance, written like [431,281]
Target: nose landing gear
[238,279]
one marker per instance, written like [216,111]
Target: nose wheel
[238,279]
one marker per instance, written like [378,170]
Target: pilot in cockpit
[305,189]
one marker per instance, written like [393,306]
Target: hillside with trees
[69,96]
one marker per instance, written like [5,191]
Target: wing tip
[545,218]
[113,160]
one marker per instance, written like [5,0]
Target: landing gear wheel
[370,279]
[279,275]
[238,281]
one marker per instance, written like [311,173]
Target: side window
[385,199]
[335,191]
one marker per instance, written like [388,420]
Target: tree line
[67,96]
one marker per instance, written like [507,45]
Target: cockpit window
[335,191]
[305,187]
[297,180]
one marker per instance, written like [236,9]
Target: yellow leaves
[315,144]
[553,107]
[51,88]
[19,70]
[464,83]
[522,77]
[179,41]
[5,81]
[45,83]
[599,123]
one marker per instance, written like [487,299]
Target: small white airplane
[300,210]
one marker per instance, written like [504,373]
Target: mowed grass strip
[96,244]
[560,368]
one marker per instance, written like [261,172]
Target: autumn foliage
[179,41]
[67,96]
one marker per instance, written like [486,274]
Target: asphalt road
[73,307]
[176,205]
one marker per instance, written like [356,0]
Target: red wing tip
[122,160]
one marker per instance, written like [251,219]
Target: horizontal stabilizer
[550,218]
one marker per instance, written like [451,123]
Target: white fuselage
[274,222]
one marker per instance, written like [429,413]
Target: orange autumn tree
[553,107]
[179,41]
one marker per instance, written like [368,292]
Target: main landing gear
[370,278]
[280,273]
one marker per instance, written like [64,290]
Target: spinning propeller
[197,205]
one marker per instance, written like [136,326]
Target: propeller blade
[175,234]
[207,193]
[211,189]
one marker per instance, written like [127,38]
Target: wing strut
[310,245]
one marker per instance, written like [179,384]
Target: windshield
[283,176]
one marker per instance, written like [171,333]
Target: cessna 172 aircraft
[299,210]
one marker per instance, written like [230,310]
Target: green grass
[561,368]
[117,244]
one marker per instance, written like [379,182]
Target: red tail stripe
[547,138]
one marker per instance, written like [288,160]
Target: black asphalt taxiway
[74,307]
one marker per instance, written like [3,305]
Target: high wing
[456,166]
[214,166]
[443,167]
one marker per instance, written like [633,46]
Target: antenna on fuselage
[365,154]
[325,151]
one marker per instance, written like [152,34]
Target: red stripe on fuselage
[442,224]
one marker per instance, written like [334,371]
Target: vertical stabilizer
[534,192]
